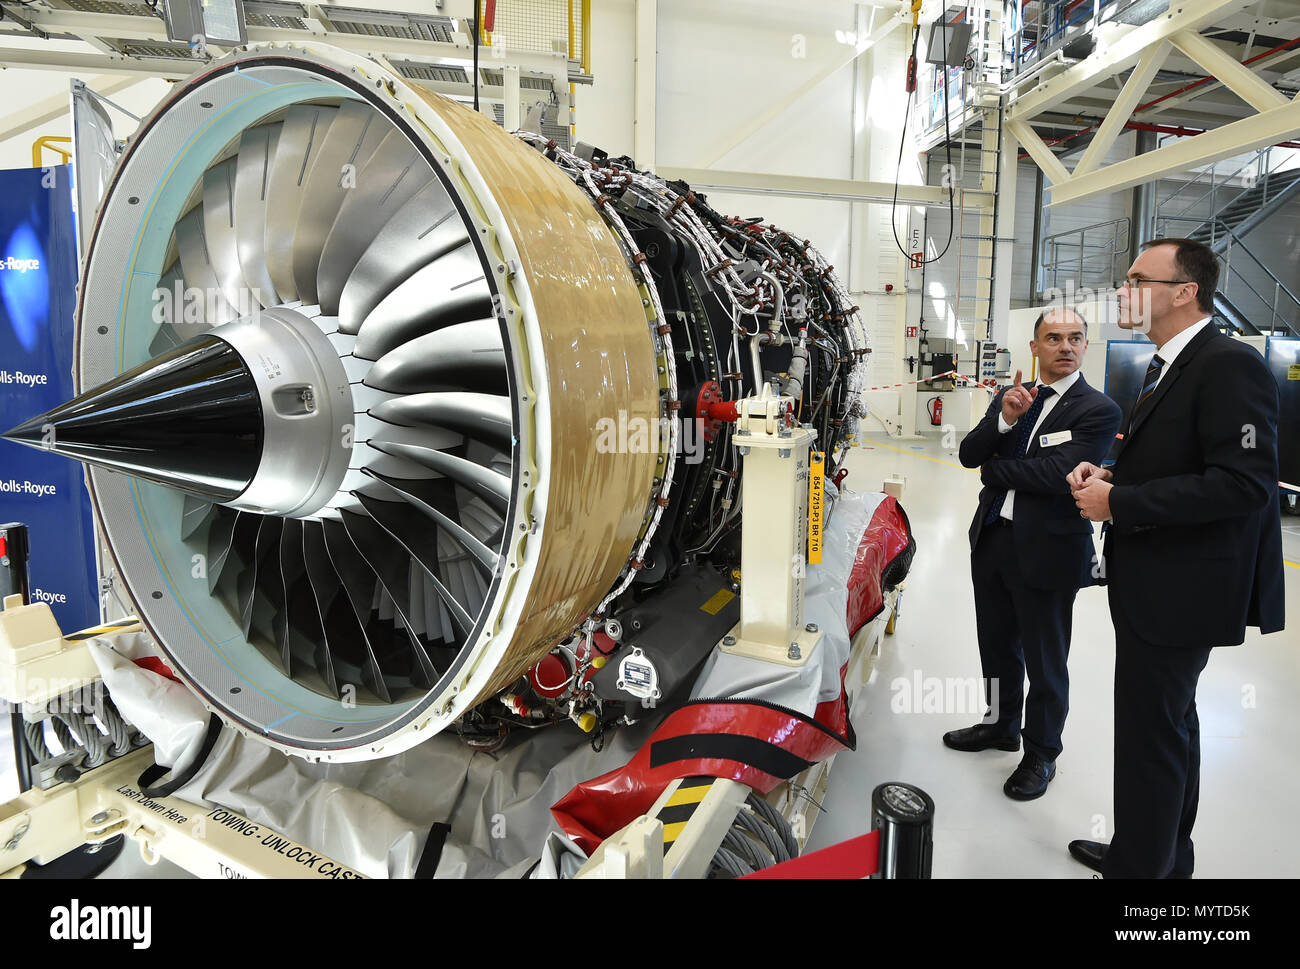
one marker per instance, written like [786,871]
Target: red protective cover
[885,538]
[155,664]
[599,807]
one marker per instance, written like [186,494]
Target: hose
[777,820]
[34,734]
[87,732]
[765,834]
[745,847]
[731,864]
[119,732]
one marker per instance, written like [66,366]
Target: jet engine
[393,418]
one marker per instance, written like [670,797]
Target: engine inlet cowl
[343,345]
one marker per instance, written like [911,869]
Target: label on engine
[816,498]
[715,602]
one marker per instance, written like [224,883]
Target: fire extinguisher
[935,406]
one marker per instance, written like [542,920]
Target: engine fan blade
[452,289]
[257,149]
[393,175]
[387,561]
[292,574]
[482,417]
[211,306]
[220,538]
[470,356]
[492,487]
[419,536]
[358,582]
[257,585]
[432,497]
[195,513]
[347,145]
[422,231]
[338,626]
[219,231]
[301,136]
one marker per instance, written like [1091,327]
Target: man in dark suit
[1193,552]
[1030,550]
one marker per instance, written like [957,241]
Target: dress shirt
[1175,344]
[1059,389]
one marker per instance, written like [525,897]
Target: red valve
[551,676]
[712,410]
[722,411]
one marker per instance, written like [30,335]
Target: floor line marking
[913,454]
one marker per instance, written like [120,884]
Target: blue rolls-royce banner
[38,278]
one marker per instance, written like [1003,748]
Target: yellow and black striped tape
[677,811]
[100,630]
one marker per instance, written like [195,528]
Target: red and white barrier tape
[939,376]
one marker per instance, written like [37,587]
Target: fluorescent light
[219,22]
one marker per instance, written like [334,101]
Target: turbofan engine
[385,408]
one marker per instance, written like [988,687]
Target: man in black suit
[1030,550]
[1193,552]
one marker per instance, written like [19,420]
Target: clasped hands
[1090,486]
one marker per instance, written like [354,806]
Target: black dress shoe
[1030,779]
[982,736]
[1090,853]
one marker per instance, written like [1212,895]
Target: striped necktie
[1027,422]
[1148,386]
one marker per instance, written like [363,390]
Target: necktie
[1149,382]
[1027,422]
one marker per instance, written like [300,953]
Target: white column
[643,106]
[512,115]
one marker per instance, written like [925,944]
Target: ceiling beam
[1239,79]
[85,25]
[1249,134]
[1129,98]
[802,186]
[1118,50]
[55,106]
[1214,85]
[1038,151]
[171,69]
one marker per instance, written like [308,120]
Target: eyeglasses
[1133,282]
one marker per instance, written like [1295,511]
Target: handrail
[51,142]
[1269,170]
[1214,187]
[1049,37]
[1237,241]
[1053,263]
[1086,228]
